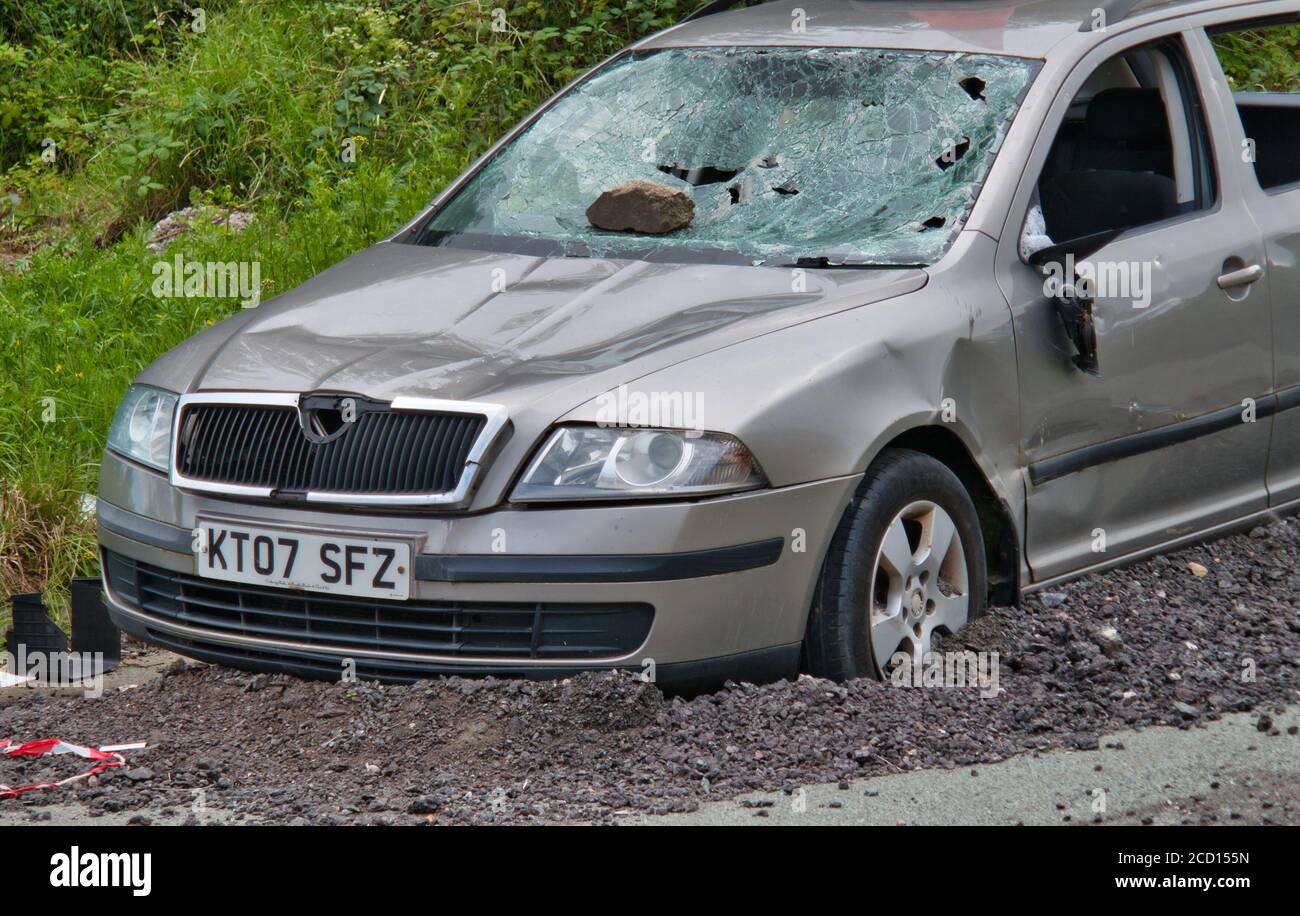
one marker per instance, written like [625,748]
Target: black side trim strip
[1040,472]
[1288,399]
[145,530]
[654,567]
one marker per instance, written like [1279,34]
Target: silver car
[918,307]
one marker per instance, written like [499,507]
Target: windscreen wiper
[821,262]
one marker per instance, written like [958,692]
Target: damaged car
[786,339]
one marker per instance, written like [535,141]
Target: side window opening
[1261,60]
[1133,150]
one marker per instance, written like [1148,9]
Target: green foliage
[96,26]
[62,62]
[1261,60]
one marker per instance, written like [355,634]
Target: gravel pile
[1172,641]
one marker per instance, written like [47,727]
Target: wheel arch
[997,522]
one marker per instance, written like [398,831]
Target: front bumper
[730,580]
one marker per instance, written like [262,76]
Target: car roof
[1021,28]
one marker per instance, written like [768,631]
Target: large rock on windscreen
[642,206]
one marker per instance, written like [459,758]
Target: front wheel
[907,561]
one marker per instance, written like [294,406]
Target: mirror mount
[1083,247]
[1073,301]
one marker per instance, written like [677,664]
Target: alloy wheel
[919,583]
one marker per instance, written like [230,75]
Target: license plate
[337,564]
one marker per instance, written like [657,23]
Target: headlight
[590,462]
[142,426]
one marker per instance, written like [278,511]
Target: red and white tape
[106,757]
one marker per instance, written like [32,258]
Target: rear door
[1166,442]
[1268,136]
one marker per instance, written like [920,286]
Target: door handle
[1243,277]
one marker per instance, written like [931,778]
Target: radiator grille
[382,453]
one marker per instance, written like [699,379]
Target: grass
[147,115]
[251,113]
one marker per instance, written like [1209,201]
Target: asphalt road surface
[1227,772]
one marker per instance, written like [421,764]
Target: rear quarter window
[1261,61]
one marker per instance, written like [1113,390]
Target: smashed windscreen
[856,155]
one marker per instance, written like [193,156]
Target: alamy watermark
[651,409]
[179,278]
[55,669]
[1130,280]
[947,670]
[75,868]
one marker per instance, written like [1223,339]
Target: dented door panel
[1173,437]
[1189,353]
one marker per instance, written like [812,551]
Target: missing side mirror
[1073,300]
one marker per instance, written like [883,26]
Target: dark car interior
[1272,121]
[1116,163]
[1113,169]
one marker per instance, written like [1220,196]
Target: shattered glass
[856,155]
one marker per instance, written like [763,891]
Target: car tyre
[906,561]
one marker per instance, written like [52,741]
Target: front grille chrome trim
[496,415]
